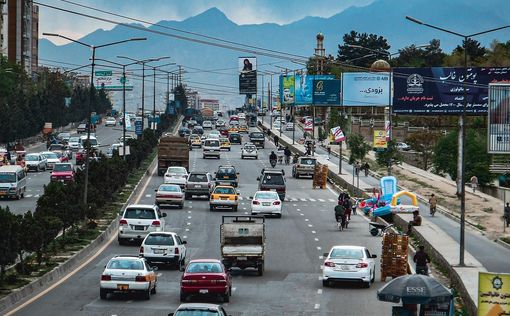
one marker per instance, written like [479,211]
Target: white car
[51,159]
[170,194]
[176,175]
[211,147]
[249,151]
[128,137]
[220,123]
[266,203]
[138,220]
[74,143]
[110,121]
[403,146]
[36,162]
[241,116]
[128,274]
[277,125]
[344,263]
[207,124]
[289,126]
[112,148]
[165,247]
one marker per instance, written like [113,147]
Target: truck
[172,151]
[242,241]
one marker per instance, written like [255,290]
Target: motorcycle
[377,229]
[422,270]
[341,222]
[273,163]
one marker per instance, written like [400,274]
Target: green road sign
[104,73]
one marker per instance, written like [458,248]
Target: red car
[63,172]
[206,277]
[223,131]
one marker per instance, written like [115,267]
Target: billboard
[366,89]
[493,297]
[380,139]
[440,90]
[287,92]
[247,75]
[499,119]
[106,79]
[304,87]
[326,92]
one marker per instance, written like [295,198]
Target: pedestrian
[474,183]
[366,167]
[356,168]
[433,204]
[348,207]
[329,151]
[415,222]
[422,259]
[276,139]
[506,214]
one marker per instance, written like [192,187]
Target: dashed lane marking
[319,248]
[187,229]
[314,232]
[301,214]
[316,239]
[189,217]
[302,200]
[306,219]
[321,257]
[331,200]
[317,306]
[188,224]
[319,291]
[310,225]
[312,200]
[321,200]
[185,237]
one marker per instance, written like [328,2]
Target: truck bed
[247,250]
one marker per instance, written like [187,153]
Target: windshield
[347,254]
[250,148]
[63,167]
[273,179]
[221,190]
[257,135]
[169,188]
[196,311]
[177,170]
[197,178]
[308,161]
[136,213]
[93,141]
[159,240]
[56,147]
[74,139]
[212,143]
[227,171]
[125,264]
[6,177]
[31,158]
[266,196]
[50,156]
[204,267]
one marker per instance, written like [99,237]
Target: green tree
[43,230]
[354,55]
[412,56]
[423,143]
[358,147]
[59,200]
[8,239]
[389,155]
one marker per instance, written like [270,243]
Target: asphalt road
[291,284]
[37,180]
[493,256]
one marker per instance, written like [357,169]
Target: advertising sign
[304,87]
[247,75]
[440,90]
[138,127]
[338,134]
[326,92]
[287,92]
[107,80]
[493,294]
[308,126]
[499,119]
[380,139]
[366,89]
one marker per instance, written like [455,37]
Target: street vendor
[415,222]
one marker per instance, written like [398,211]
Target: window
[136,213]
[347,253]
[204,267]
[196,177]
[308,161]
[179,240]
[229,171]
[170,188]
[159,240]
[273,179]
[32,158]
[220,190]
[7,177]
[266,196]
[63,167]
[125,264]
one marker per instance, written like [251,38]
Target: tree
[43,229]
[59,200]
[412,56]
[389,155]
[370,41]
[8,240]
[423,143]
[476,54]
[357,146]
[180,95]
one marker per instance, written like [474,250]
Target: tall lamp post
[89,119]
[462,131]
[154,68]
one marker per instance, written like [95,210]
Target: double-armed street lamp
[89,119]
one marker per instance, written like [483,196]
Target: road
[37,180]
[291,284]
[493,256]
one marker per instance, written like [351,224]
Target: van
[13,182]
[93,141]
[211,148]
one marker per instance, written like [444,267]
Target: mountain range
[382,17]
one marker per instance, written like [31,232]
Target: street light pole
[462,132]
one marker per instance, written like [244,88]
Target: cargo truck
[172,151]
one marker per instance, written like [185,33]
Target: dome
[320,36]
[380,65]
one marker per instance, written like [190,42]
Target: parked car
[110,121]
[169,194]
[348,263]
[227,175]
[199,309]
[206,277]
[199,183]
[224,196]
[403,146]
[63,172]
[138,220]
[164,247]
[273,180]
[176,175]
[36,162]
[266,203]
[249,151]
[128,274]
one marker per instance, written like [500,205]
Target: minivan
[211,148]
[13,181]
[93,141]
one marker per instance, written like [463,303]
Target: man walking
[433,204]
[276,139]
[474,183]
[422,259]
[506,214]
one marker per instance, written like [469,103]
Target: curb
[58,272]
[503,243]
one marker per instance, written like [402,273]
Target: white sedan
[51,159]
[110,121]
[344,263]
[266,203]
[176,175]
[249,151]
[289,126]
[170,194]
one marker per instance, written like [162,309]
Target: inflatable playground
[388,200]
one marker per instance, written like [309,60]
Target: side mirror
[250,197]
[154,268]
[184,242]
[164,215]
[156,190]
[258,178]
[325,254]
[374,256]
[170,314]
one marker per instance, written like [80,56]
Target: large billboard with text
[366,89]
[326,92]
[499,119]
[106,79]
[247,75]
[440,90]
[304,87]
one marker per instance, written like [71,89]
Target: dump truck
[172,151]
[242,241]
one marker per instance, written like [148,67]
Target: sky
[239,11]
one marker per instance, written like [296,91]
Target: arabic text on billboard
[499,119]
[304,87]
[366,89]
[287,89]
[380,139]
[247,75]
[326,92]
[106,79]
[440,90]
[493,297]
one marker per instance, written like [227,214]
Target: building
[193,99]
[3,27]
[210,103]
[22,43]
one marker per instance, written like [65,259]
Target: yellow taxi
[224,143]
[243,129]
[195,140]
[224,196]
[233,129]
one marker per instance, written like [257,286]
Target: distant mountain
[383,17]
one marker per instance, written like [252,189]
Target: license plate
[3,193]
[266,203]
[211,150]
[242,258]
[345,268]
[122,287]
[225,177]
[274,190]
[204,291]
[159,251]
[198,186]
[139,228]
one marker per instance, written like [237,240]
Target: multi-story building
[210,103]
[193,99]
[23,33]
[3,27]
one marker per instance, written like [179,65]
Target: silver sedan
[170,194]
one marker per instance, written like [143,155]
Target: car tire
[45,167]
[325,283]
[146,294]
[121,241]
[187,196]
[203,157]
[256,157]
[242,157]
[367,285]
[211,208]
[153,291]
[226,297]
[234,208]
[373,277]
[229,149]
[279,215]
[183,297]
[181,206]
[103,294]
[260,270]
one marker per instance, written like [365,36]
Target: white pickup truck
[242,241]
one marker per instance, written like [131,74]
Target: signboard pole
[313,130]
[293,111]
[124,111]
[340,157]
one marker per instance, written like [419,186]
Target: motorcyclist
[340,215]
[287,154]
[272,159]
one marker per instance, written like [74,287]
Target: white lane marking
[294,205]
[298,209]
[37,195]
[331,190]
[189,217]
[240,198]
[301,214]
[306,219]
[191,206]
[311,200]
[321,257]
[159,274]
[187,229]
[245,213]
[310,225]
[147,195]
[314,232]
[303,200]
[321,267]
[320,278]
[185,237]
[293,199]
[244,208]
[234,289]
[331,200]
[316,239]
[28,195]
[321,200]
[188,224]
[319,248]
[189,212]
[317,306]
[319,291]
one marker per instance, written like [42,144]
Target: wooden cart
[394,255]
[320,176]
